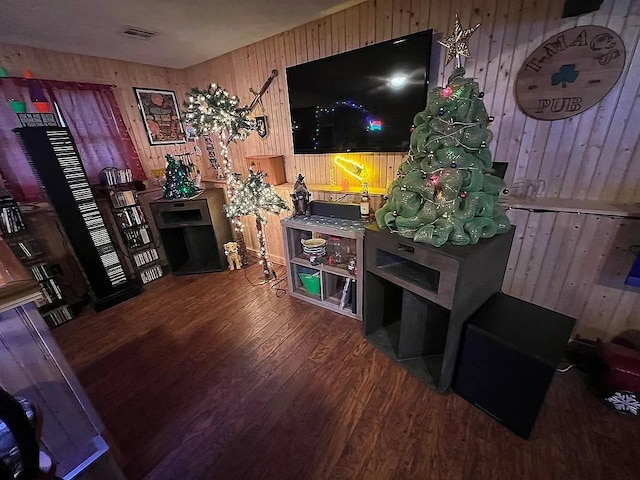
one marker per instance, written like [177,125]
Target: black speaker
[509,352]
[499,169]
[347,211]
[573,8]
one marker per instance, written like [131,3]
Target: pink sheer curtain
[90,112]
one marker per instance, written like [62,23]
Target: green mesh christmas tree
[177,182]
[445,191]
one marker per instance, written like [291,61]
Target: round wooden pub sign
[570,72]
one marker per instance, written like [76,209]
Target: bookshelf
[16,233]
[132,224]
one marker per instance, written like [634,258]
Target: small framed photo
[160,115]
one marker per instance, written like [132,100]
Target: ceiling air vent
[137,32]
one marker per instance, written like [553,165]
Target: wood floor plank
[214,377]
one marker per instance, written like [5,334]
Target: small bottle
[364,202]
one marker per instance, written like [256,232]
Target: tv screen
[360,101]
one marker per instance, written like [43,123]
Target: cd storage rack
[15,232]
[57,164]
[132,223]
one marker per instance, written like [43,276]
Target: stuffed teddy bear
[233,258]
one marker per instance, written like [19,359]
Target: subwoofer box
[507,358]
[347,211]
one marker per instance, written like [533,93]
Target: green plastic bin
[310,282]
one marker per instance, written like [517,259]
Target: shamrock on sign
[566,74]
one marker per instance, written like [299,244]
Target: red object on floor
[624,368]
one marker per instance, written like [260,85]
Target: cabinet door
[31,366]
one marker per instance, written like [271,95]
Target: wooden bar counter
[32,366]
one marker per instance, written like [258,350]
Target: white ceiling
[189,32]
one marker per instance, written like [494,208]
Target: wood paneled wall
[589,156]
[561,261]
[571,263]
[576,264]
[124,75]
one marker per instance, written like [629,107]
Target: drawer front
[418,268]
[181,213]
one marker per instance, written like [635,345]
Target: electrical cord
[566,369]
[274,282]
[249,281]
[280,292]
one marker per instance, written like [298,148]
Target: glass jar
[334,250]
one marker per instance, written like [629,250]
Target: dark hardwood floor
[209,377]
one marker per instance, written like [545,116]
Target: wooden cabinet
[193,232]
[29,249]
[32,366]
[418,298]
[327,282]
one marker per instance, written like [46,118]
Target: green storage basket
[310,282]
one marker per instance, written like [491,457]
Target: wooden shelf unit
[133,228]
[52,303]
[332,278]
[571,205]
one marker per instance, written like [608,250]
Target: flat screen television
[360,101]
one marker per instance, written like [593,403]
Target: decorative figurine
[197,180]
[301,196]
[233,257]
[351,266]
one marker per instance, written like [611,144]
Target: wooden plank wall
[594,155]
[560,261]
[125,75]
[588,156]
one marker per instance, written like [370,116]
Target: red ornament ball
[446,92]
[463,194]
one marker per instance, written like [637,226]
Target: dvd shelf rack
[57,164]
[132,224]
[10,218]
[27,249]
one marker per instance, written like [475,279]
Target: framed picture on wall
[160,115]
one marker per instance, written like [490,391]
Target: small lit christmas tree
[178,184]
[444,190]
[253,196]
